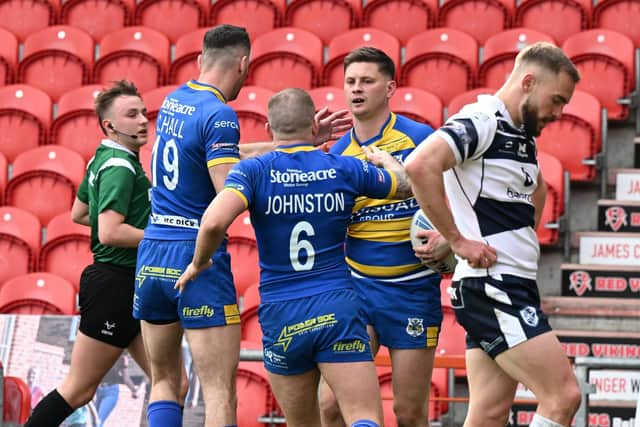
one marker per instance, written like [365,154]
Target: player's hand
[331,125]
[435,249]
[190,273]
[477,254]
[379,157]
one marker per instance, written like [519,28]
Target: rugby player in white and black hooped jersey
[496,194]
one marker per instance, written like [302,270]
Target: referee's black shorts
[106,303]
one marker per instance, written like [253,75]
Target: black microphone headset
[110,126]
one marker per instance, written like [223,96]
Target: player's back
[300,201]
[195,130]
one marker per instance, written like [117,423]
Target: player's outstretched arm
[539,198]
[224,208]
[385,160]
[425,166]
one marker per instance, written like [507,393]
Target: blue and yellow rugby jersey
[378,244]
[195,130]
[301,200]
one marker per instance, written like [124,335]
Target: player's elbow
[77,217]
[106,236]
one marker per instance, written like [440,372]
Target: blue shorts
[498,314]
[298,334]
[210,300]
[405,315]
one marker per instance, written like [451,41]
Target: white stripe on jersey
[510,328]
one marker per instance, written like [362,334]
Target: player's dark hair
[224,38]
[106,97]
[371,54]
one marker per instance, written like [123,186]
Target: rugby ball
[420,221]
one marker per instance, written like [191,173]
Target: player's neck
[510,98]
[367,128]
[292,141]
[218,80]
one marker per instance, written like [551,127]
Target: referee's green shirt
[115,180]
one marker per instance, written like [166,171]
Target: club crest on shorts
[530,316]
[415,327]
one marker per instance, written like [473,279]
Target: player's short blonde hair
[290,112]
[549,57]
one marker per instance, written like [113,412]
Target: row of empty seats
[402,18]
[25,116]
[443,61]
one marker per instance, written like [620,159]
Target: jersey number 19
[170,163]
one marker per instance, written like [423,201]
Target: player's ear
[267,127]
[315,127]
[244,64]
[391,88]
[528,82]
[199,61]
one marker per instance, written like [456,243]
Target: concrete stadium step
[593,314]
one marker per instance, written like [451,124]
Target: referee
[113,199]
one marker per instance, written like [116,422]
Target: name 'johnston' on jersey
[378,244]
[195,130]
[300,200]
[491,187]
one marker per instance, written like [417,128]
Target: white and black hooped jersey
[491,187]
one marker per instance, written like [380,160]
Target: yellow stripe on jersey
[239,194]
[396,230]
[296,148]
[195,86]
[373,270]
[222,161]
[231,314]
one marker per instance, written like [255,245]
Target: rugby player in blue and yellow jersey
[196,145]
[401,296]
[301,200]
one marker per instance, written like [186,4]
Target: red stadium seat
[255,398]
[339,16]
[467,97]
[57,59]
[19,242]
[8,56]
[400,18]
[138,54]
[581,124]
[16,401]
[500,51]
[251,108]
[45,180]
[386,390]
[67,250]
[285,57]
[251,297]
[161,16]
[606,63]
[25,116]
[244,262]
[184,67]
[447,56]
[257,16]
[23,17]
[445,284]
[418,105]
[153,100]
[553,174]
[241,227]
[37,293]
[251,330]
[4,175]
[340,46]
[557,18]
[479,18]
[452,338]
[76,126]
[328,96]
[114,15]
[619,15]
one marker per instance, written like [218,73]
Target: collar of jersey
[298,146]
[391,121]
[109,143]
[496,103]
[209,88]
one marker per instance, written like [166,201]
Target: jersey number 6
[296,244]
